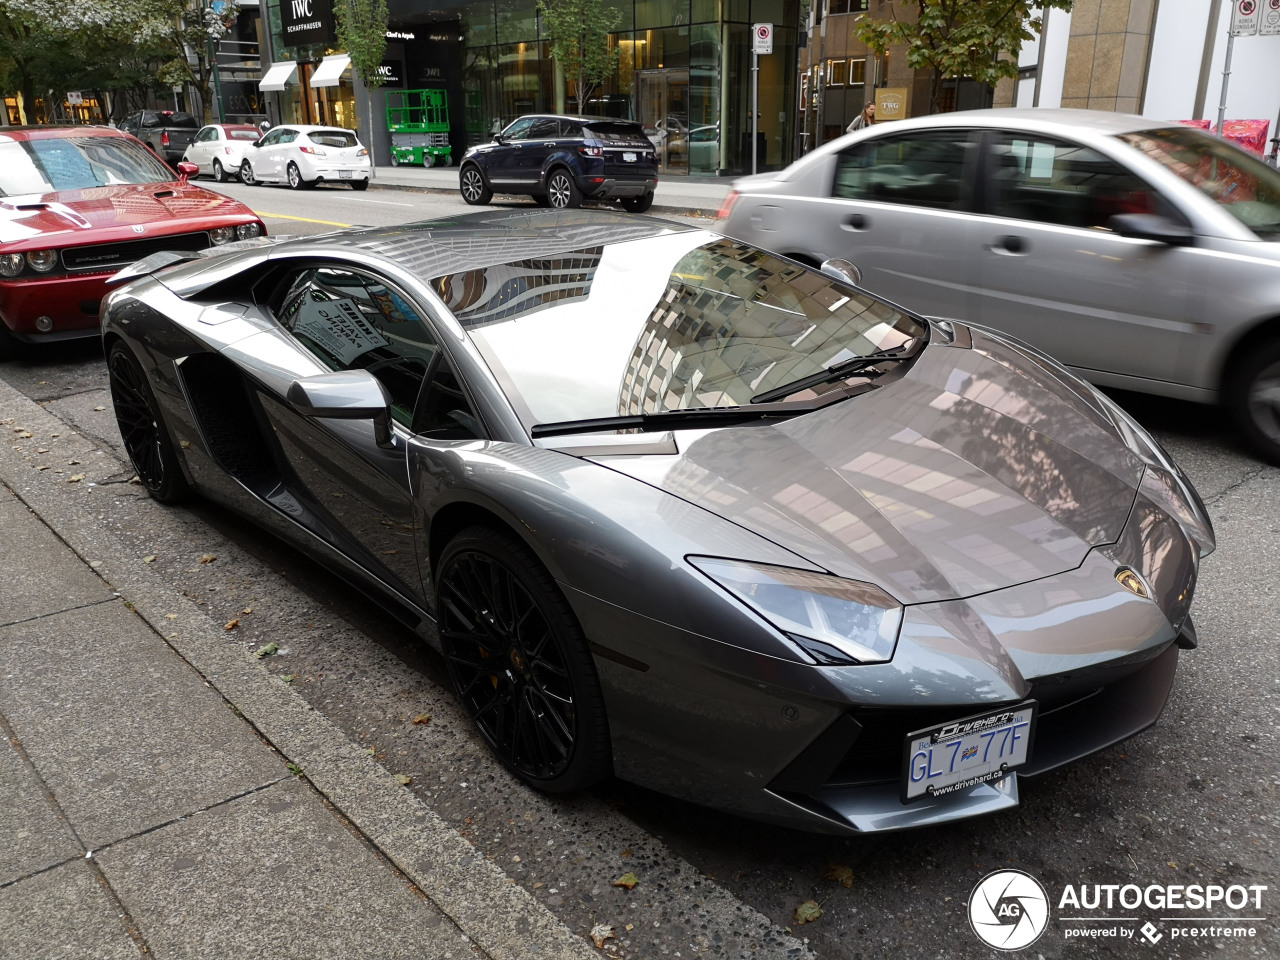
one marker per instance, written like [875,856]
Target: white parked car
[303,156]
[218,149]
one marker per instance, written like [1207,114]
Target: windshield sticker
[338,327]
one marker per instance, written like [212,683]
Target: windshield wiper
[837,371]
[675,419]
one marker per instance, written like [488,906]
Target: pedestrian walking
[865,119]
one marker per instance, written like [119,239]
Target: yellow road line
[283,216]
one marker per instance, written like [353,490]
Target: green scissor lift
[419,125]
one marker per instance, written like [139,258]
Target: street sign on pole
[762,37]
[1269,25]
[74,98]
[1244,17]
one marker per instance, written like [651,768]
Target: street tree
[579,31]
[362,31]
[979,39]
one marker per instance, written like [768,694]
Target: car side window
[519,130]
[272,138]
[208,133]
[570,130]
[288,136]
[544,128]
[1063,183]
[919,170]
[444,413]
[355,321]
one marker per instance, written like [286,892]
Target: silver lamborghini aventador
[678,509]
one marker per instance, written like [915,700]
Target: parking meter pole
[755,108]
[1226,76]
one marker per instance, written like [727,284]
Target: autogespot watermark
[1010,910]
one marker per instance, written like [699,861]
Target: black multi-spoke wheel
[475,190]
[520,663]
[562,191]
[145,439]
[1252,393]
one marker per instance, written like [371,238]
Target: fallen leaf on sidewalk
[625,853]
[23,434]
[600,933]
[404,781]
[628,880]
[42,449]
[841,873]
[267,651]
[808,912]
[75,478]
[288,677]
[247,610]
[231,625]
[43,466]
[422,718]
[73,463]
[171,616]
[208,558]
[98,409]
[149,559]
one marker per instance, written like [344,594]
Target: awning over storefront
[277,76]
[330,70]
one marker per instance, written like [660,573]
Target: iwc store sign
[306,21]
[1010,910]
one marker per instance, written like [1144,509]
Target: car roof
[311,128]
[436,248]
[42,132]
[575,117]
[1102,122]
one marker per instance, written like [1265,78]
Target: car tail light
[591,151]
[42,261]
[362,152]
[164,138]
[727,207]
[10,264]
[222,234]
[314,151]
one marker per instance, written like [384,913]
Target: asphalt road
[1195,800]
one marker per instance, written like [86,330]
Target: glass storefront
[684,72]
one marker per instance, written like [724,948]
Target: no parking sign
[762,38]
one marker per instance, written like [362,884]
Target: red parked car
[76,205]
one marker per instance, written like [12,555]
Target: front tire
[296,180]
[562,191]
[472,184]
[11,348]
[246,175]
[141,427]
[520,663]
[1253,398]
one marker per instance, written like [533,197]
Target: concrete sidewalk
[686,196]
[163,794]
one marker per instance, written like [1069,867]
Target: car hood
[978,469]
[161,207]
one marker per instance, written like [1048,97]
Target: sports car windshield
[1246,187]
[75,163]
[682,321]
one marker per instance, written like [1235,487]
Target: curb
[658,207]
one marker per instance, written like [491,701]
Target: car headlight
[11,264]
[222,234]
[247,231]
[42,261]
[834,620]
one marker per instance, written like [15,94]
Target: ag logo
[1008,910]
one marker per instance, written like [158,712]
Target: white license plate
[953,756]
[629,157]
[344,174]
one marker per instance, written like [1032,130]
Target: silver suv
[1143,255]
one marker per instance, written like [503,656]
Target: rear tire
[395,160]
[637,204]
[359,184]
[520,663]
[219,175]
[428,160]
[475,191]
[1253,398]
[562,191]
[142,428]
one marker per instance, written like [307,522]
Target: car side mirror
[1150,226]
[842,270]
[499,138]
[186,169]
[345,395]
[257,143]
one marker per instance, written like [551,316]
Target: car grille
[106,257]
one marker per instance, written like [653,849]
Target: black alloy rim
[508,665]
[138,425]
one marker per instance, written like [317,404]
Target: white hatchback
[303,156]
[219,148]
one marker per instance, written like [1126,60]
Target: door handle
[1010,246]
[551,144]
[856,221]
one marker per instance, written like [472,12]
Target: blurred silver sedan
[1144,255]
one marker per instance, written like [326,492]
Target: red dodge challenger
[76,205]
